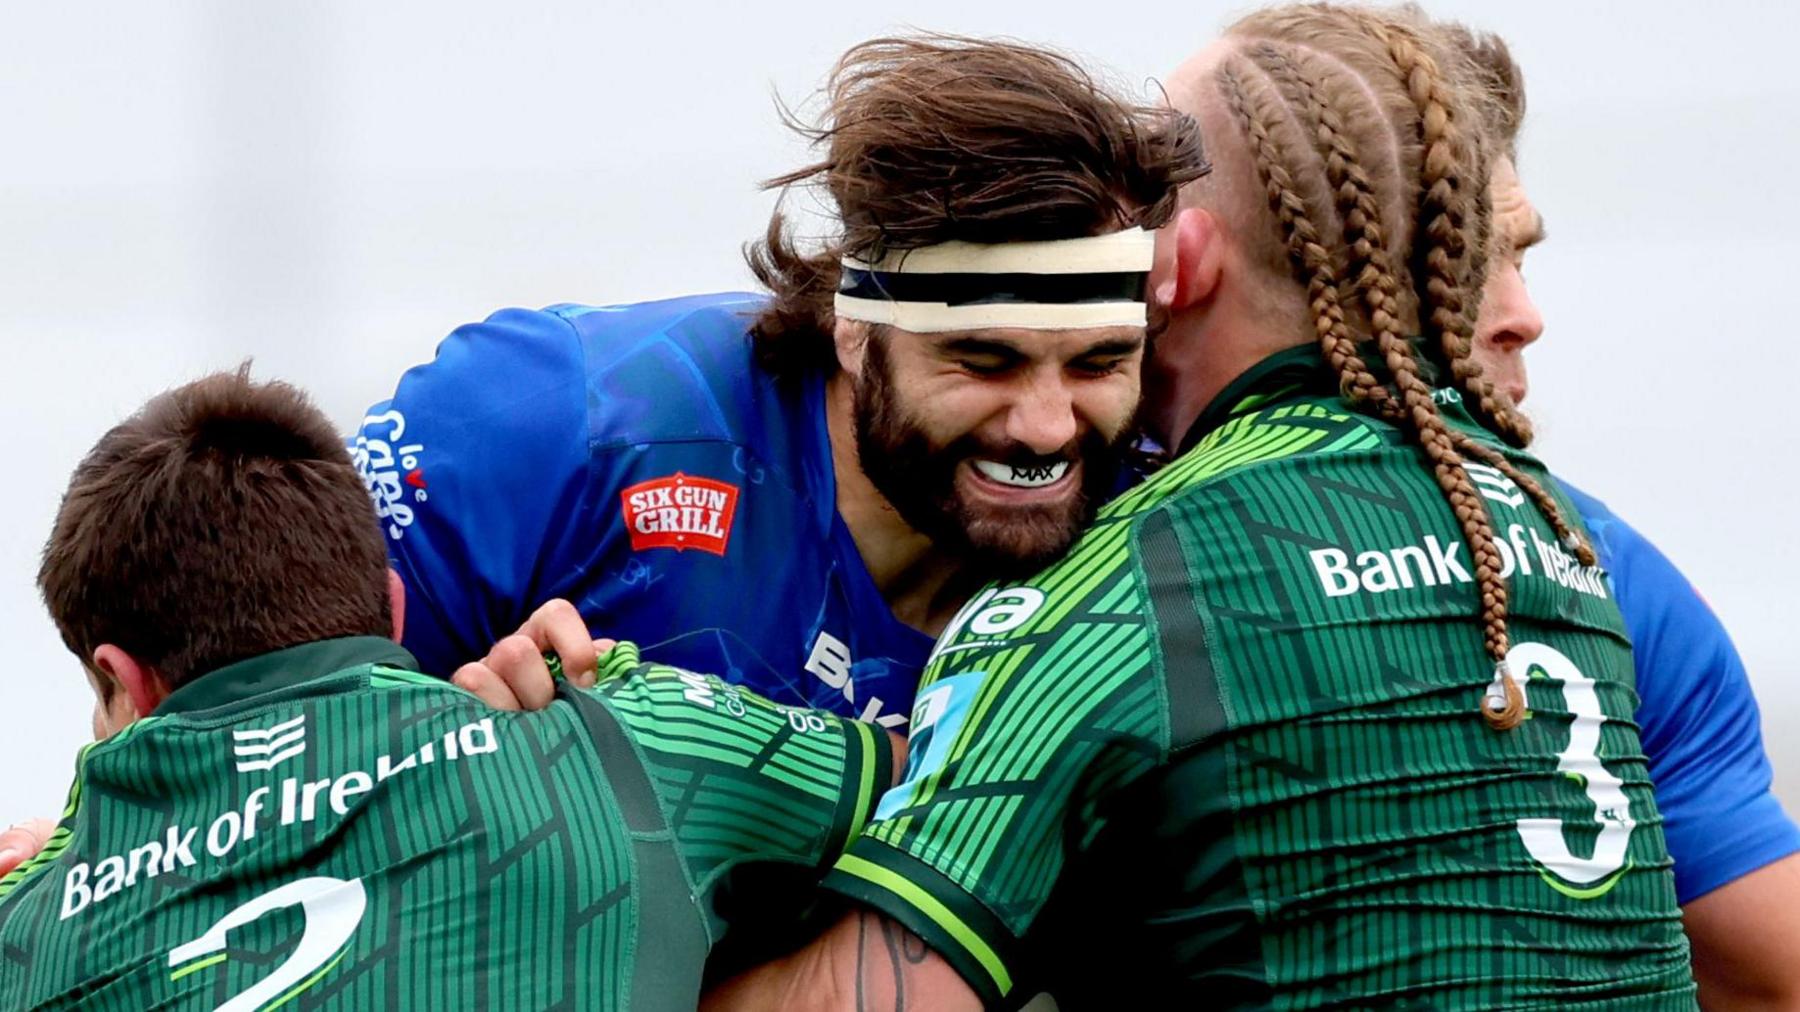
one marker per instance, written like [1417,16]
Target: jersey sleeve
[745,779]
[1042,700]
[479,470]
[1700,725]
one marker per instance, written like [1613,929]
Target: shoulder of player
[1615,540]
[1272,437]
[682,370]
[670,361]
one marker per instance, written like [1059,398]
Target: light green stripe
[203,964]
[391,678]
[931,907]
[1593,892]
[310,981]
[865,791]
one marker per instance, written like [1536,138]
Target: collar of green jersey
[1299,371]
[283,669]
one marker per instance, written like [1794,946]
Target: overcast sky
[330,187]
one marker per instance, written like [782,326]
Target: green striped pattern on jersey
[368,837]
[1228,751]
[1057,697]
[742,776]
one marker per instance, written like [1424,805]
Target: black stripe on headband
[987,289]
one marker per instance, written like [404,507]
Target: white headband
[1093,281]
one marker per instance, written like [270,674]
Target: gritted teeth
[1032,476]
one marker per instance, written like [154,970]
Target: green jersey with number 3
[322,827]
[1228,752]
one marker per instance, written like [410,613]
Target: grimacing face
[1509,321]
[1000,444]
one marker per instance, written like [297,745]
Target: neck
[922,585]
[1201,353]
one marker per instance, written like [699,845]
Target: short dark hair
[221,521]
[939,137]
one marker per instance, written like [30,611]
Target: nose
[1519,322]
[1043,418]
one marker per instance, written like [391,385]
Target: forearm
[1746,940]
[865,963]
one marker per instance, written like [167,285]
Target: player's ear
[851,338]
[131,679]
[1190,256]
[396,604]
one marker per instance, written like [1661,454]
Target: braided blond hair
[1290,86]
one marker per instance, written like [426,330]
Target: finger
[478,678]
[519,661]
[557,627]
[22,842]
[602,647]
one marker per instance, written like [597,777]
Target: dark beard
[919,481]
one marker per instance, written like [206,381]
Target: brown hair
[1498,79]
[1372,137]
[938,137]
[221,521]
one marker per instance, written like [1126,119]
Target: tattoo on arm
[886,952]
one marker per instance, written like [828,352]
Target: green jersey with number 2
[322,827]
[1228,752]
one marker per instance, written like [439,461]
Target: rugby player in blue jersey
[745,485]
[1737,854]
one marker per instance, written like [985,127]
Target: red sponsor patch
[680,512]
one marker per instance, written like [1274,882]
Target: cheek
[1109,404]
[948,408]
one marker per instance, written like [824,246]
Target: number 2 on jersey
[332,908]
[1577,877]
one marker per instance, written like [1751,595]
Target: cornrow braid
[1453,169]
[1426,86]
[1306,251]
[1416,410]
[1368,264]
[1373,273]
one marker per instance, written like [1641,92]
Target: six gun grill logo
[270,747]
[680,512]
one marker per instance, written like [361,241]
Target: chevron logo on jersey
[1493,484]
[269,747]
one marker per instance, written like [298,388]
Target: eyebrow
[971,345]
[1115,346]
[968,345]
[1537,235]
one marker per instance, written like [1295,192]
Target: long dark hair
[938,137]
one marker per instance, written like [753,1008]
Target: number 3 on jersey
[333,908]
[1578,877]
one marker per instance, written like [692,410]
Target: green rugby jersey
[1228,752]
[322,827]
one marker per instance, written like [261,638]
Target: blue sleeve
[479,469]
[1699,719]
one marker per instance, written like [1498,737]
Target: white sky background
[331,187]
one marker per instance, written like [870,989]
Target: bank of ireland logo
[265,748]
[1494,485]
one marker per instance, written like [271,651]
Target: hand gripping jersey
[635,460]
[326,826]
[1699,720]
[1228,752]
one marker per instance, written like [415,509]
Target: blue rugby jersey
[636,461]
[1699,721]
